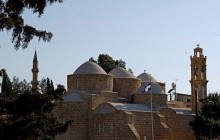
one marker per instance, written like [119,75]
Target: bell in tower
[198,78]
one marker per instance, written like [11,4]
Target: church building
[120,106]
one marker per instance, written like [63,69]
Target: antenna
[174,84]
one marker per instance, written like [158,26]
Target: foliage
[46,85]
[29,118]
[20,87]
[6,87]
[108,63]
[10,89]
[57,93]
[207,123]
[11,19]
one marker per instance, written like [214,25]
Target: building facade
[119,106]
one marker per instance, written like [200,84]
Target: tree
[11,19]
[30,118]
[107,62]
[46,84]
[6,87]
[120,63]
[207,123]
[57,93]
[20,87]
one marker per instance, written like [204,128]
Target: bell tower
[198,78]
[35,71]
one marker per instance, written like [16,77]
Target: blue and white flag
[147,88]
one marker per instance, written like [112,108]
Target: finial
[144,71]
[198,45]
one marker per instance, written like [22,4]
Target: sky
[153,35]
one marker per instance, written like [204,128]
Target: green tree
[120,63]
[30,118]
[11,19]
[6,87]
[20,87]
[46,84]
[207,123]
[108,63]
[57,93]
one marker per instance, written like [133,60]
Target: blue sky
[153,35]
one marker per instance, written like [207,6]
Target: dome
[119,72]
[150,87]
[145,77]
[89,68]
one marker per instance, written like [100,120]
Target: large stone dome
[89,68]
[150,87]
[145,77]
[120,72]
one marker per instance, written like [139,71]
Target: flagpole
[152,119]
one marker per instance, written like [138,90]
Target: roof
[184,111]
[75,96]
[150,87]
[145,77]
[131,107]
[89,68]
[120,72]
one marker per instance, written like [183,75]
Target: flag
[147,88]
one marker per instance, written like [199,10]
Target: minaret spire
[35,71]
[35,56]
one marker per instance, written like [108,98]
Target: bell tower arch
[198,78]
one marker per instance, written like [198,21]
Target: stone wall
[179,128]
[116,125]
[103,97]
[142,122]
[157,99]
[126,86]
[78,113]
[99,82]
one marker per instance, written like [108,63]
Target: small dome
[150,87]
[89,68]
[119,72]
[145,77]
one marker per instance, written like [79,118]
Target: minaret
[35,71]
[198,78]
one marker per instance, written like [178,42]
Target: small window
[188,100]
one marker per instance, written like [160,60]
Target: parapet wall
[157,99]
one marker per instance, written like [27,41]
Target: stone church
[119,106]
